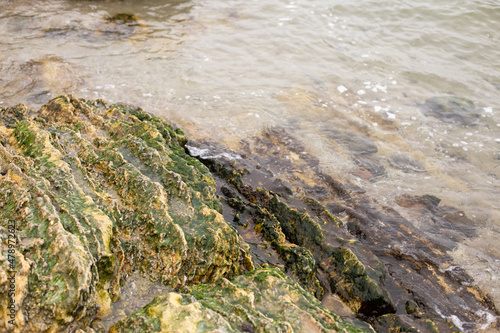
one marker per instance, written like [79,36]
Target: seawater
[229,70]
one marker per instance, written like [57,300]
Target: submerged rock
[363,151]
[36,79]
[405,164]
[453,110]
[121,25]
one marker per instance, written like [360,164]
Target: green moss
[100,207]
[264,299]
[26,138]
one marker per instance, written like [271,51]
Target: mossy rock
[97,192]
[264,300]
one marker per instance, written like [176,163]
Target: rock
[299,241]
[97,192]
[452,110]
[104,194]
[405,164]
[365,252]
[264,300]
[363,151]
[392,323]
[444,221]
[411,307]
[119,25]
[35,80]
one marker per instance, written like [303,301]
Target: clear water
[228,70]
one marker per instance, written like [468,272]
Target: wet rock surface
[366,253]
[102,192]
[405,164]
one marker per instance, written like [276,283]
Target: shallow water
[348,81]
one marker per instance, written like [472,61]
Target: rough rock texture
[98,192]
[101,192]
[367,254]
[264,300]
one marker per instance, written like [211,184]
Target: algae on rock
[300,242]
[264,300]
[98,192]
[101,192]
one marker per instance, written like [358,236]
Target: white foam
[205,153]
[341,89]
[361,92]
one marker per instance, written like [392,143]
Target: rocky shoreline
[101,193]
